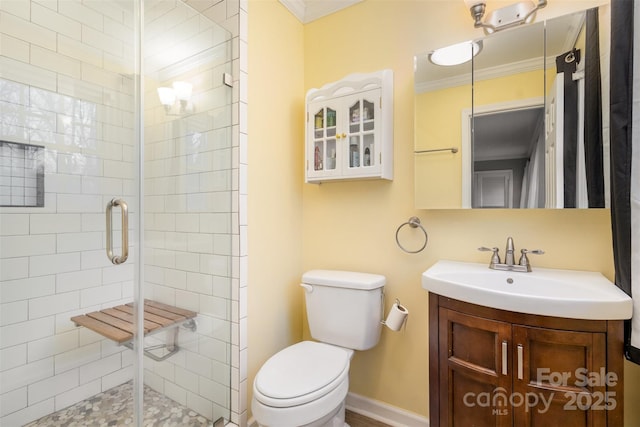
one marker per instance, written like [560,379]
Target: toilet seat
[301,373]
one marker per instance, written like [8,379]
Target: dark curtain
[621,141]
[567,64]
[593,113]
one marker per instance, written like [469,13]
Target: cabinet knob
[344,135]
[338,136]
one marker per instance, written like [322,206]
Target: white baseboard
[384,412]
[378,411]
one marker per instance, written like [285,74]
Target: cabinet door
[560,375]
[322,140]
[475,380]
[360,122]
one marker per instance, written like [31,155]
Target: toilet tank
[344,308]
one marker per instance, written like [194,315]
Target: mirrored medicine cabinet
[520,125]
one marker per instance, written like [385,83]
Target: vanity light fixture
[523,12]
[180,91]
[455,54]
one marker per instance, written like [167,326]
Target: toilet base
[333,419]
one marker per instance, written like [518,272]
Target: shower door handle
[125,231]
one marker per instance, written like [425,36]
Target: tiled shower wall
[64,85]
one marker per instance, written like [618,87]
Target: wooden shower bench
[117,324]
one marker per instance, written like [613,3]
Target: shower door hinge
[227,79]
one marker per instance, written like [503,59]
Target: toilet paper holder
[397,317]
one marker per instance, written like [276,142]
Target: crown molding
[297,7]
[310,10]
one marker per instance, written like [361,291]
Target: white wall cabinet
[349,129]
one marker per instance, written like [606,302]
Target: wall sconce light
[455,54]
[516,14]
[180,91]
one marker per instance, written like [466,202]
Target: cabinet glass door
[355,121]
[361,134]
[323,157]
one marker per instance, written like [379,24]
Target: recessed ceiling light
[455,54]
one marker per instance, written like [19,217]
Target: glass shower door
[187,121]
[69,145]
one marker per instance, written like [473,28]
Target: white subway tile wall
[66,83]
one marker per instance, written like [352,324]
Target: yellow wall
[351,225]
[438,175]
[512,88]
[275,180]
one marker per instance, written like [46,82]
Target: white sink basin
[549,292]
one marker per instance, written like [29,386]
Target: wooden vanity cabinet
[491,367]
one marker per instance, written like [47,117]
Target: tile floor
[114,407]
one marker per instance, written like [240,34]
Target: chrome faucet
[509,259]
[509,264]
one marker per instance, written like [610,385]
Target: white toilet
[306,384]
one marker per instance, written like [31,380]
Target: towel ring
[413,222]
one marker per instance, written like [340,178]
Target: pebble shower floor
[114,407]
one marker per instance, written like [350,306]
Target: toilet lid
[302,369]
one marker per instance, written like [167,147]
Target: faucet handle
[524,260]
[486,249]
[524,252]
[495,258]
[533,251]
